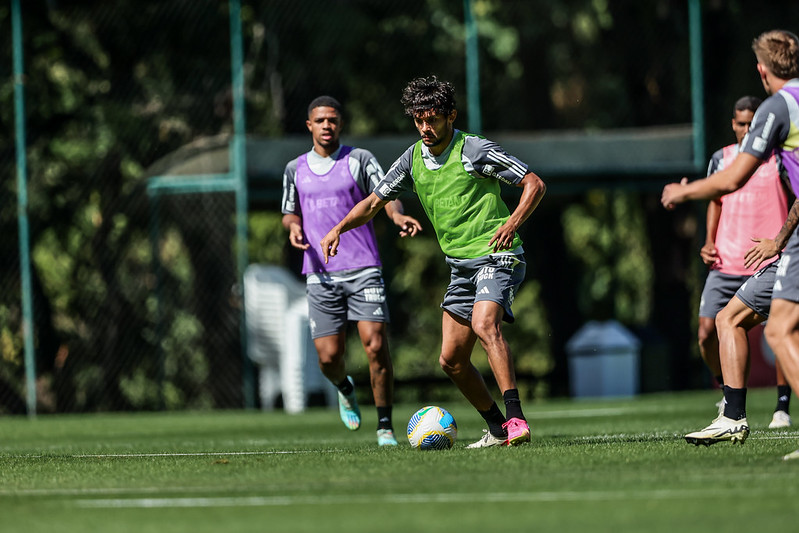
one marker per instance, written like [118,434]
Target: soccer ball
[432,428]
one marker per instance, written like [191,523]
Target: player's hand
[296,238]
[709,254]
[672,194]
[503,238]
[763,250]
[408,226]
[330,244]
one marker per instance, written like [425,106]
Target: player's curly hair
[422,95]
[778,50]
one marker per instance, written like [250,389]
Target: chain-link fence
[112,87]
[119,92]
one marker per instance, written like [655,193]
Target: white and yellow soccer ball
[432,428]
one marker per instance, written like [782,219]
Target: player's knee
[329,357]
[724,322]
[486,329]
[706,333]
[374,346]
[774,333]
[449,365]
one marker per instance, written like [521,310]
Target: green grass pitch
[593,465]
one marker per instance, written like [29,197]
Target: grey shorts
[786,281]
[756,291]
[332,304]
[719,290]
[493,278]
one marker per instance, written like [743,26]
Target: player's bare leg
[381,371]
[330,350]
[381,376]
[487,325]
[782,334]
[733,324]
[709,344]
[457,343]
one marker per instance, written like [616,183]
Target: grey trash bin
[604,360]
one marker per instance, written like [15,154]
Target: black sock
[345,387]
[736,403]
[513,405]
[783,398]
[720,381]
[495,419]
[384,417]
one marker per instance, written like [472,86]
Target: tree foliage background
[114,87]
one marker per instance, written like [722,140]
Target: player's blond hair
[778,51]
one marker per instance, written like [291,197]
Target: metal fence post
[697,82]
[238,170]
[22,210]
[472,69]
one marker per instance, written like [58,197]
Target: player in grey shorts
[756,291]
[332,304]
[719,288]
[319,187]
[749,307]
[493,278]
[788,270]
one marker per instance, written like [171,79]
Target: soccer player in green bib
[457,178]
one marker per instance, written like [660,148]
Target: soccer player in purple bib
[320,187]
[457,179]
[775,127]
[758,208]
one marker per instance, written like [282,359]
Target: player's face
[435,128]
[741,122]
[324,123]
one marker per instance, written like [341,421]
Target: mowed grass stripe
[431,499]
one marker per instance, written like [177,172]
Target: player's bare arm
[293,223]
[533,190]
[359,215]
[718,184]
[408,225]
[768,248]
[708,252]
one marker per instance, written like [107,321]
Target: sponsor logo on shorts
[312,323]
[777,286]
[486,273]
[374,295]
[378,312]
[484,290]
